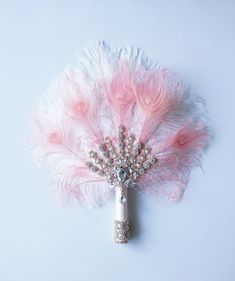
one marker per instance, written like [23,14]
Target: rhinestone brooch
[123,163]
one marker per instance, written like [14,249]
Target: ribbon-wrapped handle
[122,228]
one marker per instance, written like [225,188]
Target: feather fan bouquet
[115,121]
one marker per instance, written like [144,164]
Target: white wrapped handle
[121,234]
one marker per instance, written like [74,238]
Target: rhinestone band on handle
[122,231]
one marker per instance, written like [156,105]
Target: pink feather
[106,89]
[121,95]
[154,101]
[81,105]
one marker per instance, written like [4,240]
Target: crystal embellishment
[123,161]
[122,231]
[122,199]
[122,174]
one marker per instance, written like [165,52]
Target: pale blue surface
[40,241]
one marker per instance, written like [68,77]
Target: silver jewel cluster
[121,231]
[124,163]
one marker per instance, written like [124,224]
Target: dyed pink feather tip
[116,116]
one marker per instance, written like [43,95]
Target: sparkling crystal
[110,162]
[133,185]
[93,154]
[106,154]
[123,160]
[153,160]
[123,199]
[121,145]
[94,169]
[127,183]
[101,173]
[121,135]
[114,170]
[121,128]
[110,148]
[122,174]
[130,170]
[146,165]
[138,145]
[141,171]
[134,176]
[136,166]
[102,147]
[147,150]
[132,159]
[98,161]
[136,152]
[141,158]
[112,154]
[89,164]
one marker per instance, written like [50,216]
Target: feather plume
[103,90]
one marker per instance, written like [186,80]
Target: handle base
[121,231]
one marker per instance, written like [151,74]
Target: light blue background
[42,241]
